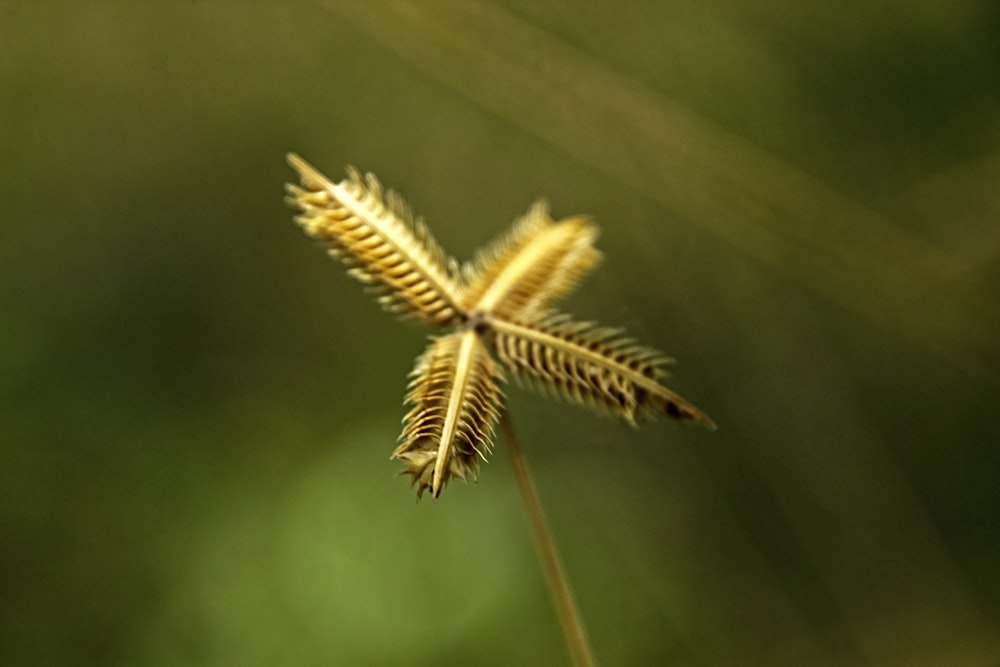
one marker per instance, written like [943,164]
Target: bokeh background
[799,200]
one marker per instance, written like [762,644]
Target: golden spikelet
[456,398]
[375,234]
[528,269]
[502,300]
[591,366]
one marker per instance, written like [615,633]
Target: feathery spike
[375,234]
[456,400]
[590,366]
[532,266]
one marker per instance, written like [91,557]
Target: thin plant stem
[555,574]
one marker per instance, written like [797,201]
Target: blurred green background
[799,200]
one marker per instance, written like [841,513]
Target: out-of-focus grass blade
[773,212]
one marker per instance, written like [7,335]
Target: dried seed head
[502,297]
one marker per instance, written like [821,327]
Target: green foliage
[187,478]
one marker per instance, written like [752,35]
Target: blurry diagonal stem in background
[773,212]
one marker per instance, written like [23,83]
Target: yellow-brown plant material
[503,300]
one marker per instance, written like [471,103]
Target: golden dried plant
[503,299]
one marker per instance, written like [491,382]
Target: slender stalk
[555,574]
